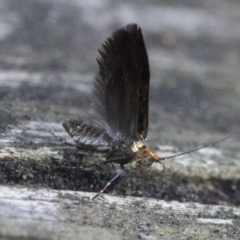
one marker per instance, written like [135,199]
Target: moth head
[145,157]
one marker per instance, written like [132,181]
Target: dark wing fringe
[144,88]
[85,135]
[122,84]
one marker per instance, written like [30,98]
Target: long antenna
[196,149]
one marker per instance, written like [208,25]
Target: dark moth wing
[122,85]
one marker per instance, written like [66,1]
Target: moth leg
[110,182]
[124,159]
[102,149]
[62,140]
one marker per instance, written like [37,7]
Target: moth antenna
[109,183]
[163,170]
[196,149]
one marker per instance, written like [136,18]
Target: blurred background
[48,51]
[47,67]
[48,63]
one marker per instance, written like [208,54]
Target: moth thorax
[137,145]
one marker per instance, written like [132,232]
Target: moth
[122,90]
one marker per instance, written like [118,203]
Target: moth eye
[145,162]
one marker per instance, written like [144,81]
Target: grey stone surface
[43,214]
[47,66]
